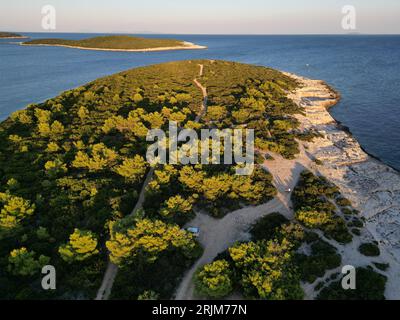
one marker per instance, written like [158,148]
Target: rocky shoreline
[372,186]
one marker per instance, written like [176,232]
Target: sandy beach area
[186,46]
[14,37]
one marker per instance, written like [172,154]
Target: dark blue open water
[365,69]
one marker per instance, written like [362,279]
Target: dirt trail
[112,269]
[108,281]
[203,110]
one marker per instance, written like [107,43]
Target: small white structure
[194,230]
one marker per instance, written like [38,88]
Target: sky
[202,16]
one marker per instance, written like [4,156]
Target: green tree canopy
[22,262]
[133,169]
[82,245]
[214,280]
[148,237]
[13,210]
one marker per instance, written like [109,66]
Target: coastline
[347,129]
[187,46]
[22,37]
[371,185]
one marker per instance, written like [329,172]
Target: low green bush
[370,285]
[369,249]
[343,202]
[265,228]
[324,257]
[382,266]
[214,280]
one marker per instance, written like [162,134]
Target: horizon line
[215,34]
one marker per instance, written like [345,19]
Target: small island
[11,35]
[118,43]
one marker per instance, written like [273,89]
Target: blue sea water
[365,69]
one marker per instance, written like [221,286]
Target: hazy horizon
[208,34]
[258,17]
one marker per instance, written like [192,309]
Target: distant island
[11,35]
[117,43]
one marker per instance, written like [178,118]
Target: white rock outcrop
[372,186]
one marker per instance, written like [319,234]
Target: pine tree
[82,245]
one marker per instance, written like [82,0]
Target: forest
[117,42]
[72,168]
[10,35]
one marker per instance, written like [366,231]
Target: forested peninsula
[77,192]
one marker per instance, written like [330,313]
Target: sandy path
[219,234]
[203,110]
[203,89]
[111,272]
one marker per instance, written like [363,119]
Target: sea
[365,69]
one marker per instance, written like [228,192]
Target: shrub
[149,239]
[311,199]
[347,211]
[382,266]
[214,280]
[266,270]
[81,245]
[343,202]
[356,223]
[369,249]
[13,210]
[318,162]
[23,262]
[148,295]
[370,285]
[324,257]
[265,228]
